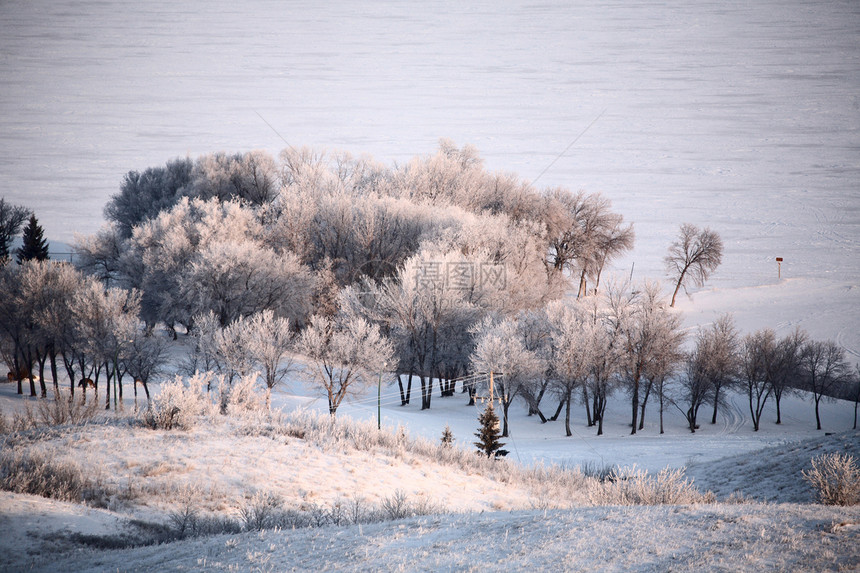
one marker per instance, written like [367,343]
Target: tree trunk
[567,400]
[32,386]
[41,358]
[599,410]
[557,411]
[402,394]
[661,407]
[635,402]
[17,366]
[817,417]
[716,402]
[588,417]
[645,401]
[426,391]
[54,374]
[505,405]
[409,387]
[677,287]
[107,390]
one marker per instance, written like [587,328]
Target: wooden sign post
[779,267]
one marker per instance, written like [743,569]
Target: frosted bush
[241,397]
[179,405]
[634,486]
[262,511]
[45,476]
[64,409]
[836,479]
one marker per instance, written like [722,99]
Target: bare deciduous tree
[694,255]
[573,351]
[649,333]
[344,354]
[12,218]
[759,363]
[787,377]
[825,370]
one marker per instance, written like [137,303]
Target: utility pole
[491,386]
[379,403]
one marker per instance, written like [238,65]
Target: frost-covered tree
[18,329]
[144,358]
[500,349]
[759,365]
[787,376]
[536,333]
[344,355]
[722,365]
[107,324]
[12,218]
[573,351]
[34,246]
[693,256]
[434,299]
[238,279]
[695,385]
[143,195]
[269,339]
[209,255]
[46,289]
[101,255]
[650,339]
[251,177]
[607,342]
[582,234]
[825,370]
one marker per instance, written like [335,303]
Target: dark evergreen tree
[489,433]
[35,246]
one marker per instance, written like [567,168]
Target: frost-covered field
[497,518]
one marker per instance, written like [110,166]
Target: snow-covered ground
[495,524]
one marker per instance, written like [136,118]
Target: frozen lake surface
[741,116]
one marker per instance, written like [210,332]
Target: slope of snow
[685,538]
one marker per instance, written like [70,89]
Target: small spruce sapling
[447,437]
[488,434]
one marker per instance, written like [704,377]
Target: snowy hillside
[150,477]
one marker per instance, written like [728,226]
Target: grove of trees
[435,270]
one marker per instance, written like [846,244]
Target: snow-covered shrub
[261,511]
[64,409]
[241,397]
[836,479]
[37,474]
[398,506]
[179,404]
[634,486]
[601,472]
